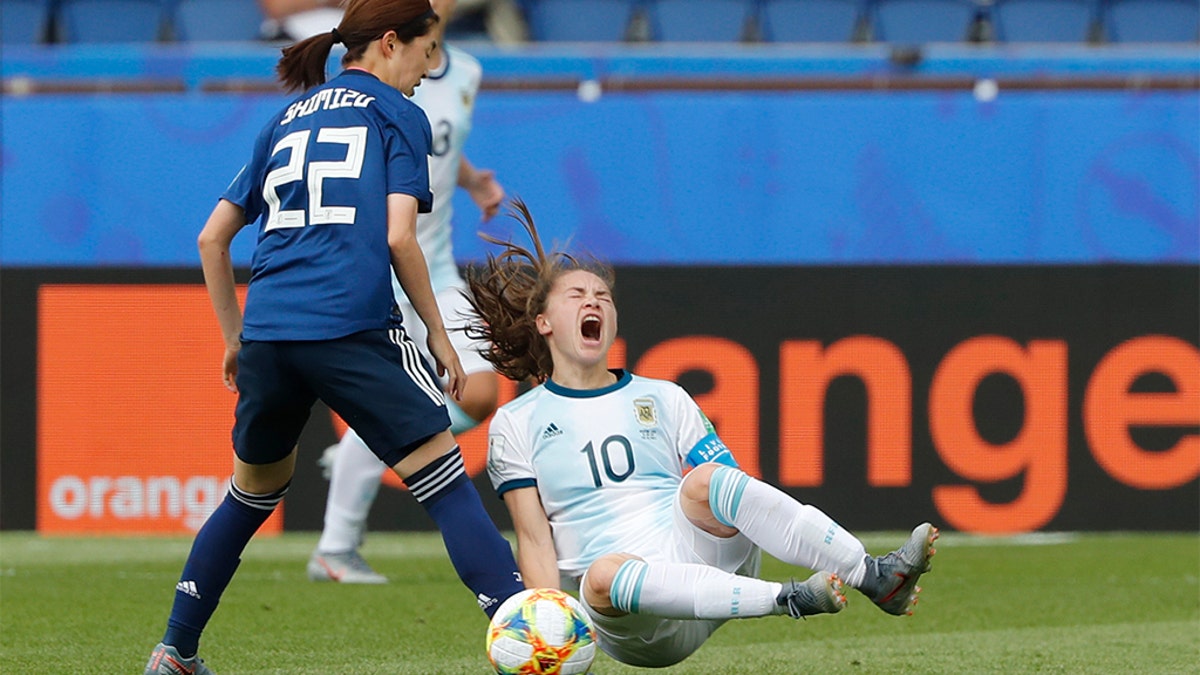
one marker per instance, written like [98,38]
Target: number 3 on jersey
[298,169]
[613,445]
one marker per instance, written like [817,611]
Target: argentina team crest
[645,411]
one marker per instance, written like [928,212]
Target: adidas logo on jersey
[188,588]
[551,431]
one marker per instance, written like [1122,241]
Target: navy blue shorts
[375,380]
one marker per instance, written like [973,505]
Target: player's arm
[411,271]
[225,221]
[698,439]
[482,186]
[535,544]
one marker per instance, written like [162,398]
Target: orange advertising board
[134,425]
[985,431]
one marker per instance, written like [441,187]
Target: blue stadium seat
[24,22]
[218,20]
[919,21]
[1043,20]
[810,20]
[700,20]
[1153,20]
[110,20]
[579,20]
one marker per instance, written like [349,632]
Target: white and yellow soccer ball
[541,631]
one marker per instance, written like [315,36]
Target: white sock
[353,484]
[687,591]
[795,533]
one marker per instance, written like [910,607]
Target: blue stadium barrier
[653,175]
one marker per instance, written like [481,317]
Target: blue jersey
[316,185]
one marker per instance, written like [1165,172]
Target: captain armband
[710,449]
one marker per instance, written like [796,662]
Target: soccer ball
[541,631]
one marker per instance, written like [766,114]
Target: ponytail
[303,64]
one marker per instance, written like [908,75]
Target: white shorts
[651,641]
[456,313]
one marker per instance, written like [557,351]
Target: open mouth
[590,329]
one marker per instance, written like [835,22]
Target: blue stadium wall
[987,306]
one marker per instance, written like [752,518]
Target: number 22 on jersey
[314,174]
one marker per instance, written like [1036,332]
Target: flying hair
[510,290]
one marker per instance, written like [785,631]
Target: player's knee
[479,407]
[697,483]
[482,395]
[601,572]
[599,579]
[694,498]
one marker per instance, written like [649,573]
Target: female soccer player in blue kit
[447,95]
[618,485]
[335,182]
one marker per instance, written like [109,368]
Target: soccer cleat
[165,660]
[346,568]
[326,460]
[891,580]
[819,594]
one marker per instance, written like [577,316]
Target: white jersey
[606,462]
[447,96]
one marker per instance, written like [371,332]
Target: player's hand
[229,368]
[448,364]
[486,192]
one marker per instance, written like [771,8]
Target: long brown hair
[303,64]
[508,293]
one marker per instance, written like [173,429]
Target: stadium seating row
[896,21]
[893,21]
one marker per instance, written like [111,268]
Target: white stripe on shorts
[414,367]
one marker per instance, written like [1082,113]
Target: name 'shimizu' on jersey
[327,99]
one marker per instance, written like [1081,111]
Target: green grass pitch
[1104,603]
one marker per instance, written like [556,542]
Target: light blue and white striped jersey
[447,95]
[606,462]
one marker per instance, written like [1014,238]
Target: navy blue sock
[481,556]
[215,555]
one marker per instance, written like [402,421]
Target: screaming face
[580,321]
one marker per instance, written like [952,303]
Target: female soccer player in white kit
[618,483]
[447,95]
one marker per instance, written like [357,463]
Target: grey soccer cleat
[819,594]
[165,660]
[891,580]
[346,568]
